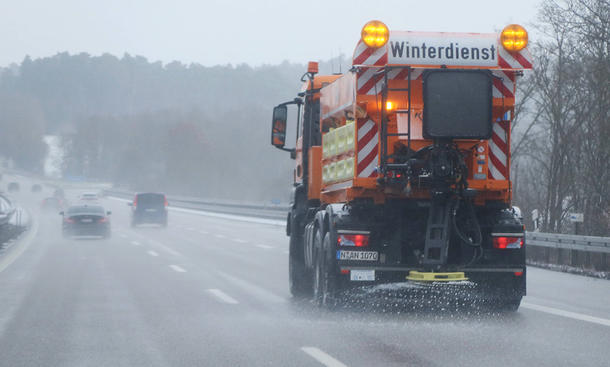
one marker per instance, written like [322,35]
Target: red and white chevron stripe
[514,60]
[368,148]
[368,56]
[499,151]
[503,83]
[370,83]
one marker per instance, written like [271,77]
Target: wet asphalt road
[212,291]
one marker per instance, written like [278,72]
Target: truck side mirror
[278,126]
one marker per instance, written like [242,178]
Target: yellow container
[332,142]
[326,143]
[333,172]
[349,169]
[350,135]
[340,170]
[325,173]
[341,139]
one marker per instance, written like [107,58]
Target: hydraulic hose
[476,227]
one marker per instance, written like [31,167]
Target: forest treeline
[180,128]
[204,131]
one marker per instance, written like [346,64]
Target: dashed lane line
[568,314]
[153,253]
[222,296]
[253,288]
[239,240]
[203,232]
[265,247]
[136,243]
[177,269]
[322,357]
[220,236]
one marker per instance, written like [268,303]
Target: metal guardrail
[568,242]
[269,211]
[549,240]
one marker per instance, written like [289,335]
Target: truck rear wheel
[299,278]
[325,278]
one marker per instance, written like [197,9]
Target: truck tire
[299,278]
[325,277]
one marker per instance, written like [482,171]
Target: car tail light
[166,203]
[506,242]
[353,240]
[518,273]
[69,220]
[102,220]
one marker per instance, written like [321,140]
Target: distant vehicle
[88,196]
[86,220]
[59,193]
[149,207]
[6,210]
[36,188]
[13,187]
[52,204]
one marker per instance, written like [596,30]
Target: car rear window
[150,200]
[78,210]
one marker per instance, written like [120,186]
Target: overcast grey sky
[214,32]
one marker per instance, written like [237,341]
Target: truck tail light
[353,240]
[505,242]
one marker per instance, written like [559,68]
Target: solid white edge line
[152,253]
[177,269]
[22,244]
[272,222]
[322,357]
[568,314]
[222,296]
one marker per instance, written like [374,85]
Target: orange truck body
[345,167]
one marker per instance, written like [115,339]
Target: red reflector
[354,240]
[518,273]
[507,242]
[344,271]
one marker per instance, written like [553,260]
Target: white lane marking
[223,296]
[165,248]
[253,288]
[177,269]
[135,243]
[239,240]
[203,232]
[322,357]
[568,314]
[13,252]
[266,247]
[153,253]
[190,229]
[220,236]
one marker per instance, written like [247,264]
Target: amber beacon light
[375,34]
[513,38]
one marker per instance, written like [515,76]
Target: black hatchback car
[86,220]
[149,207]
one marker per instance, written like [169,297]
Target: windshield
[150,200]
[80,210]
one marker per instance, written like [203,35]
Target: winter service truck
[403,166]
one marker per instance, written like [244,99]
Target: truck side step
[436,277]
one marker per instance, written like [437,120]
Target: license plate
[87,220]
[362,275]
[358,255]
[151,210]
